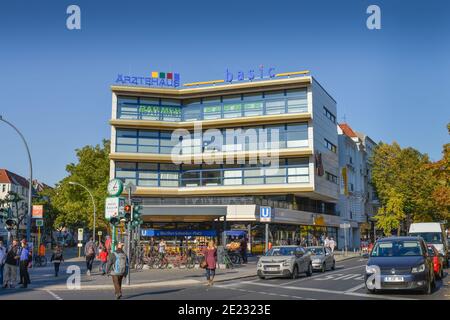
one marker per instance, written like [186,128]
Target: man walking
[244,250]
[90,252]
[23,264]
[2,260]
[332,244]
[118,268]
[10,268]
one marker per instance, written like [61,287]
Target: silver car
[322,258]
[284,261]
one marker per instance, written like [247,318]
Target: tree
[73,203]
[404,184]
[13,201]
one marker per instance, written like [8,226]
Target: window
[253,107]
[192,110]
[232,106]
[331,177]
[330,146]
[127,108]
[329,115]
[297,135]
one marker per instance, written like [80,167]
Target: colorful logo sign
[156,79]
[37,211]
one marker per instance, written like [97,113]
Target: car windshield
[397,248]
[429,237]
[315,251]
[281,251]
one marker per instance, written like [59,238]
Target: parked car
[284,261]
[438,261]
[433,233]
[322,258]
[400,263]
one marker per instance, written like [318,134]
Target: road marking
[334,292]
[362,285]
[262,292]
[321,275]
[54,295]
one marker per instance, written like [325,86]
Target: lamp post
[92,198]
[30,185]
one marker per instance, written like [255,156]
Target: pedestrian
[117,267]
[11,263]
[2,260]
[90,251]
[23,264]
[210,254]
[57,258]
[108,243]
[269,246]
[332,244]
[162,248]
[244,250]
[103,257]
[326,242]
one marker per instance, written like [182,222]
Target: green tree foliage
[410,187]
[72,202]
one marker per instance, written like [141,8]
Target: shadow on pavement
[151,293]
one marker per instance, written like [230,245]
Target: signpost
[345,226]
[39,224]
[38,211]
[265,215]
[130,188]
[99,236]
[80,239]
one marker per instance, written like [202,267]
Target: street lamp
[30,186]
[92,198]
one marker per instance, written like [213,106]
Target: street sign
[39,223]
[37,211]
[99,233]
[130,185]
[265,214]
[80,234]
[344,225]
[114,206]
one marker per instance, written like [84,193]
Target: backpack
[91,250]
[121,264]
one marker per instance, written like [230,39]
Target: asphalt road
[346,282]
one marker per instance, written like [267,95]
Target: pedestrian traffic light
[115,221]
[127,213]
[10,224]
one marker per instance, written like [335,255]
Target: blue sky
[392,84]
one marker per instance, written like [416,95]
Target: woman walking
[57,258]
[210,254]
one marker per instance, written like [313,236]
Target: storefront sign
[114,206]
[265,214]
[156,79]
[251,74]
[178,233]
[152,110]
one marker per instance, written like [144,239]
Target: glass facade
[295,170]
[293,135]
[220,107]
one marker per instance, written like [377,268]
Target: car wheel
[334,265]
[262,277]
[427,289]
[310,271]
[371,291]
[295,272]
[324,267]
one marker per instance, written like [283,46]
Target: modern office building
[356,196]
[153,129]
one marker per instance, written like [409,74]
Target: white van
[433,233]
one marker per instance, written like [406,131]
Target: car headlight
[370,269]
[259,264]
[420,268]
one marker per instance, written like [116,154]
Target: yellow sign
[319,221]
[345,180]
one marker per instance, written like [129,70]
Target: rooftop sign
[156,79]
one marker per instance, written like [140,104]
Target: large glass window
[297,135]
[127,108]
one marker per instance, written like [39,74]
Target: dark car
[400,263]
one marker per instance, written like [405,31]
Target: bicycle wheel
[235,259]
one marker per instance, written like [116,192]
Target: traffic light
[10,224]
[136,219]
[115,221]
[126,213]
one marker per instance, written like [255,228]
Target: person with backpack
[57,258]
[11,263]
[90,251]
[118,268]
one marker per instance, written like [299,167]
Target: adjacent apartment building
[293,112]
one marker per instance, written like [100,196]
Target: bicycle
[161,262]
[234,257]
[227,261]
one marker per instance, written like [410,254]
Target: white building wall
[324,128]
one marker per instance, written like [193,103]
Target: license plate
[272,269]
[393,279]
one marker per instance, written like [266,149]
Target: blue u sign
[265,212]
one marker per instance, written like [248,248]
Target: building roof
[10,177]
[347,130]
